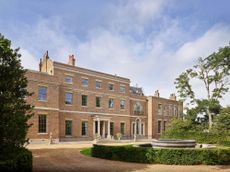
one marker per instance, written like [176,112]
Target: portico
[102,126]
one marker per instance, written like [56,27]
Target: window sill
[68,105]
[42,100]
[69,83]
[42,133]
[68,136]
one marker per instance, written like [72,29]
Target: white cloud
[134,15]
[28,61]
[153,62]
[216,37]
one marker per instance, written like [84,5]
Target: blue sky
[149,41]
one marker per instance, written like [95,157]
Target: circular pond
[174,143]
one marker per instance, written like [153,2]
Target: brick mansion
[73,103]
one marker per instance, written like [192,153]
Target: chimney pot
[157,93]
[172,97]
[71,60]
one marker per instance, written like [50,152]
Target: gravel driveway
[72,160]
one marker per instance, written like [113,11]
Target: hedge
[21,161]
[182,156]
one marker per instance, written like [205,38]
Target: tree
[14,111]
[213,72]
[222,122]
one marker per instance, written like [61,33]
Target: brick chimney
[172,97]
[71,60]
[157,93]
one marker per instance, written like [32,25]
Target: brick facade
[83,121]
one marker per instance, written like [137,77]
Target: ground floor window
[42,124]
[84,128]
[164,126]
[133,128]
[142,128]
[122,128]
[111,128]
[159,127]
[68,127]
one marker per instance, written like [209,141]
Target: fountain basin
[174,143]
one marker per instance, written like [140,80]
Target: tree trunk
[209,119]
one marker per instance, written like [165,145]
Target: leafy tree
[213,72]
[222,122]
[14,111]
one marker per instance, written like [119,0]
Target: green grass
[86,151]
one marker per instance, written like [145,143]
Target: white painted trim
[83,112]
[70,70]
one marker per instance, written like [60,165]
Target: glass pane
[98,84]
[42,93]
[42,123]
[69,79]
[68,98]
[68,127]
[84,82]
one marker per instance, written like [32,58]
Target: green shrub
[21,160]
[122,153]
[182,156]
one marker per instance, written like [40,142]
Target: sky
[148,41]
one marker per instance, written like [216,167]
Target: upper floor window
[42,93]
[110,103]
[138,109]
[98,84]
[175,110]
[84,82]
[122,89]
[68,79]
[84,100]
[111,87]
[98,101]
[68,98]
[159,109]
[122,104]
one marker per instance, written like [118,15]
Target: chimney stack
[157,93]
[71,60]
[172,97]
[40,65]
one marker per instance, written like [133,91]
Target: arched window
[138,109]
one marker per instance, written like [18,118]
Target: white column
[135,129]
[135,132]
[103,129]
[94,128]
[98,127]
[140,127]
[108,135]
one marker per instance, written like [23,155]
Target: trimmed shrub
[122,153]
[20,160]
[182,156]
